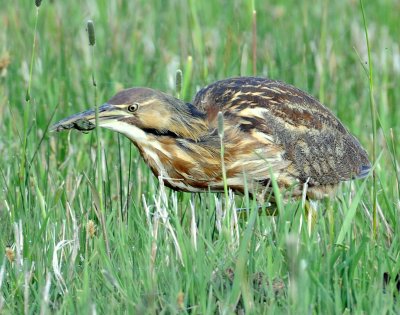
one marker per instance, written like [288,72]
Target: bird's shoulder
[262,98]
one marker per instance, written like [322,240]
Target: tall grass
[176,252]
[373,118]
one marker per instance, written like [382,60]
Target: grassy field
[148,249]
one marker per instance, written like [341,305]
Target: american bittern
[269,126]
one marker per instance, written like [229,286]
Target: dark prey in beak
[84,121]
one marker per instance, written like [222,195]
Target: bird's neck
[188,122]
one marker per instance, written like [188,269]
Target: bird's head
[138,113]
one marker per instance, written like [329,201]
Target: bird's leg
[270,209]
[265,203]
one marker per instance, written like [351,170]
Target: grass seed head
[91,34]
[178,81]
[27,96]
[10,254]
[91,228]
[220,124]
[4,62]
[180,300]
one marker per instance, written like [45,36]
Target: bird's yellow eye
[133,107]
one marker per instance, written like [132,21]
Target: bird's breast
[193,166]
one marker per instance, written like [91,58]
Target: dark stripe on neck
[156,132]
[195,112]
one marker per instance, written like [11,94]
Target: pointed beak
[86,121]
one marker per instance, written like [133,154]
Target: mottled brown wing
[311,137]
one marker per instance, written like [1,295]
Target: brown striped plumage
[268,126]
